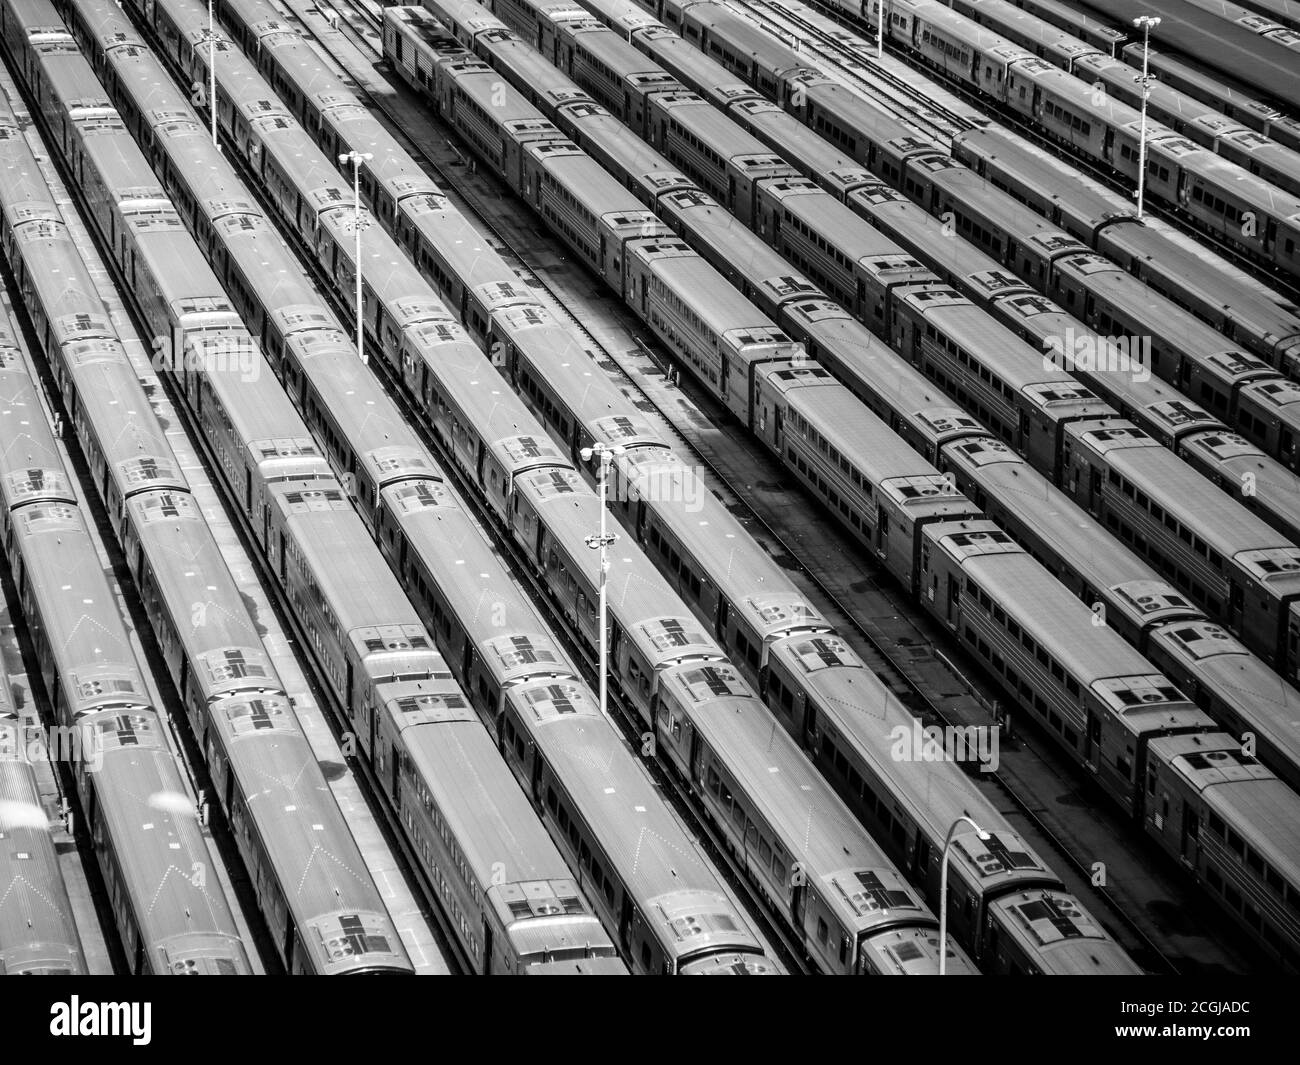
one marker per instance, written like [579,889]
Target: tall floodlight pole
[602,542]
[356,159]
[943,887]
[1145,23]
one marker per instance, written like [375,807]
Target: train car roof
[351,576]
[1089,204]
[1228,528]
[1210,653]
[78,609]
[615,797]
[1061,936]
[1217,87]
[1061,623]
[498,618]
[732,560]
[188,569]
[933,792]
[811,822]
[1009,215]
[154,831]
[714,128]
[530,65]
[989,341]
[1068,529]
[721,307]
[31,465]
[1245,296]
[634,588]
[638,158]
[807,150]
[1252,802]
[1144,304]
[688,64]
[871,446]
[1212,40]
[616,53]
[960,28]
[736,244]
[843,228]
[597,190]
[476,793]
[1221,173]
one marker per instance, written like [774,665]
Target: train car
[1044,39]
[855,913]
[1228,818]
[38,932]
[1077,22]
[1231,563]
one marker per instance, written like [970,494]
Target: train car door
[1236,605]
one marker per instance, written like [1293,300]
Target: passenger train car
[38,932]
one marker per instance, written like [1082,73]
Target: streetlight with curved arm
[943,886]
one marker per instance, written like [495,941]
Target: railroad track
[899,667]
[1271,276]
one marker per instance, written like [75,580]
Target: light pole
[1145,24]
[943,887]
[880,28]
[602,543]
[356,159]
[212,72]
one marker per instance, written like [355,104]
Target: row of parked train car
[1224,677]
[1243,210]
[1235,100]
[825,453]
[1215,43]
[324,916]
[847,908]
[542,509]
[1203,123]
[270,51]
[1240,308]
[1039,409]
